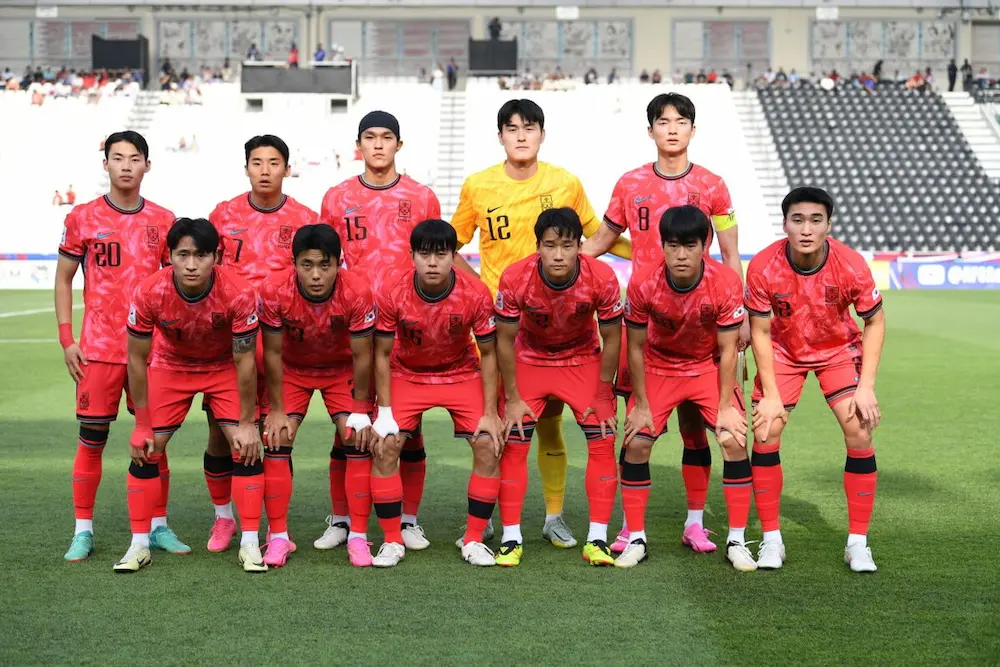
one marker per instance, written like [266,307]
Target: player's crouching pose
[318,322]
[424,358]
[799,293]
[206,323]
[548,348]
[685,312]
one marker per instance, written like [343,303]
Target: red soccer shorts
[573,385]
[100,392]
[838,381]
[335,388]
[463,401]
[666,392]
[623,380]
[171,393]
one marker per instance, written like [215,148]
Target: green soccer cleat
[164,539]
[81,547]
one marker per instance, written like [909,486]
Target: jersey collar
[198,297]
[810,272]
[370,186]
[434,299]
[261,209]
[690,288]
[564,286]
[673,177]
[312,299]
[124,211]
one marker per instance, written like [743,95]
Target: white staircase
[977,129]
[451,152]
[764,155]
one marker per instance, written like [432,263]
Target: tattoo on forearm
[241,345]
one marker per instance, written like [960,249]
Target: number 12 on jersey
[499,228]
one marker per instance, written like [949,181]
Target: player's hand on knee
[359,427]
[731,424]
[639,419]
[764,415]
[279,430]
[246,441]
[514,415]
[602,406]
[387,447]
[864,406]
[75,362]
[490,427]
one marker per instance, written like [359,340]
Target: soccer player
[425,358]
[318,322]
[205,318]
[799,293]
[255,231]
[503,203]
[548,347]
[643,195]
[120,239]
[682,314]
[375,213]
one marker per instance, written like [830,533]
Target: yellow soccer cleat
[597,552]
[251,558]
[510,554]
[136,558]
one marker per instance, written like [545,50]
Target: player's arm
[71,252]
[245,328]
[758,305]
[868,305]
[636,325]
[244,349]
[362,329]
[603,237]
[726,228]
[484,328]
[464,222]
[601,240]
[729,420]
[385,337]
[140,345]
[277,420]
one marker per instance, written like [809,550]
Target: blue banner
[945,275]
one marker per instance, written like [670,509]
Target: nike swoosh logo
[782,296]
[167,323]
[490,210]
[360,495]
[104,235]
[255,487]
[607,479]
[234,232]
[639,200]
[352,210]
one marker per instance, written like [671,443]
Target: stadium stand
[903,174]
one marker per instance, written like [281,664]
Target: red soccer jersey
[433,345]
[642,195]
[317,334]
[557,322]
[682,325]
[255,241]
[812,325]
[196,334]
[119,249]
[374,223]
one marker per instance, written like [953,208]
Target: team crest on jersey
[455,323]
[152,236]
[832,295]
[338,322]
[545,201]
[285,235]
[707,314]
[218,320]
[405,208]
[582,308]
[84,400]
[694,198]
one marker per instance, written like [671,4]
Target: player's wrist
[66,335]
[143,418]
[361,407]
[384,412]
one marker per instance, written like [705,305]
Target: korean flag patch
[131,314]
[628,307]
[370,316]
[252,320]
[499,300]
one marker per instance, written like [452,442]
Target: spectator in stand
[495,28]
[929,78]
[983,78]
[793,78]
[590,77]
[952,75]
[613,75]
[293,56]
[657,77]
[70,195]
[966,71]
[452,74]
[57,199]
[252,53]
[916,82]
[320,54]
[713,76]
[644,77]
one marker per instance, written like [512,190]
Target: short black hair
[202,232]
[681,103]
[433,236]
[564,221]
[807,195]
[127,137]
[528,110]
[317,237]
[265,140]
[684,224]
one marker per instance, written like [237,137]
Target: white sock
[512,534]
[142,539]
[279,536]
[408,519]
[224,511]
[550,517]
[159,521]
[772,536]
[84,526]
[853,539]
[624,526]
[737,535]
[249,537]
[352,535]
[695,516]
[339,519]
[637,535]
[597,531]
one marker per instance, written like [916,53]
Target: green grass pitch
[935,536]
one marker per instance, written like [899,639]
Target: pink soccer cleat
[277,552]
[696,537]
[223,532]
[359,553]
[621,542]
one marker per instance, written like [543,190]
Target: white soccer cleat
[389,555]
[334,535]
[136,558]
[859,558]
[771,555]
[634,554]
[740,558]
[251,559]
[477,553]
[487,534]
[414,538]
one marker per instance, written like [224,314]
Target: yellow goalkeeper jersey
[505,211]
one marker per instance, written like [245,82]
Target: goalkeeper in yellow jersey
[504,202]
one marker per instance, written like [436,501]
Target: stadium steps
[451,152]
[764,155]
[977,129]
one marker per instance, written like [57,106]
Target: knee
[485,460]
[388,462]
[773,435]
[217,445]
[731,449]
[638,451]
[694,439]
[858,438]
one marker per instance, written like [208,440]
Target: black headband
[378,119]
